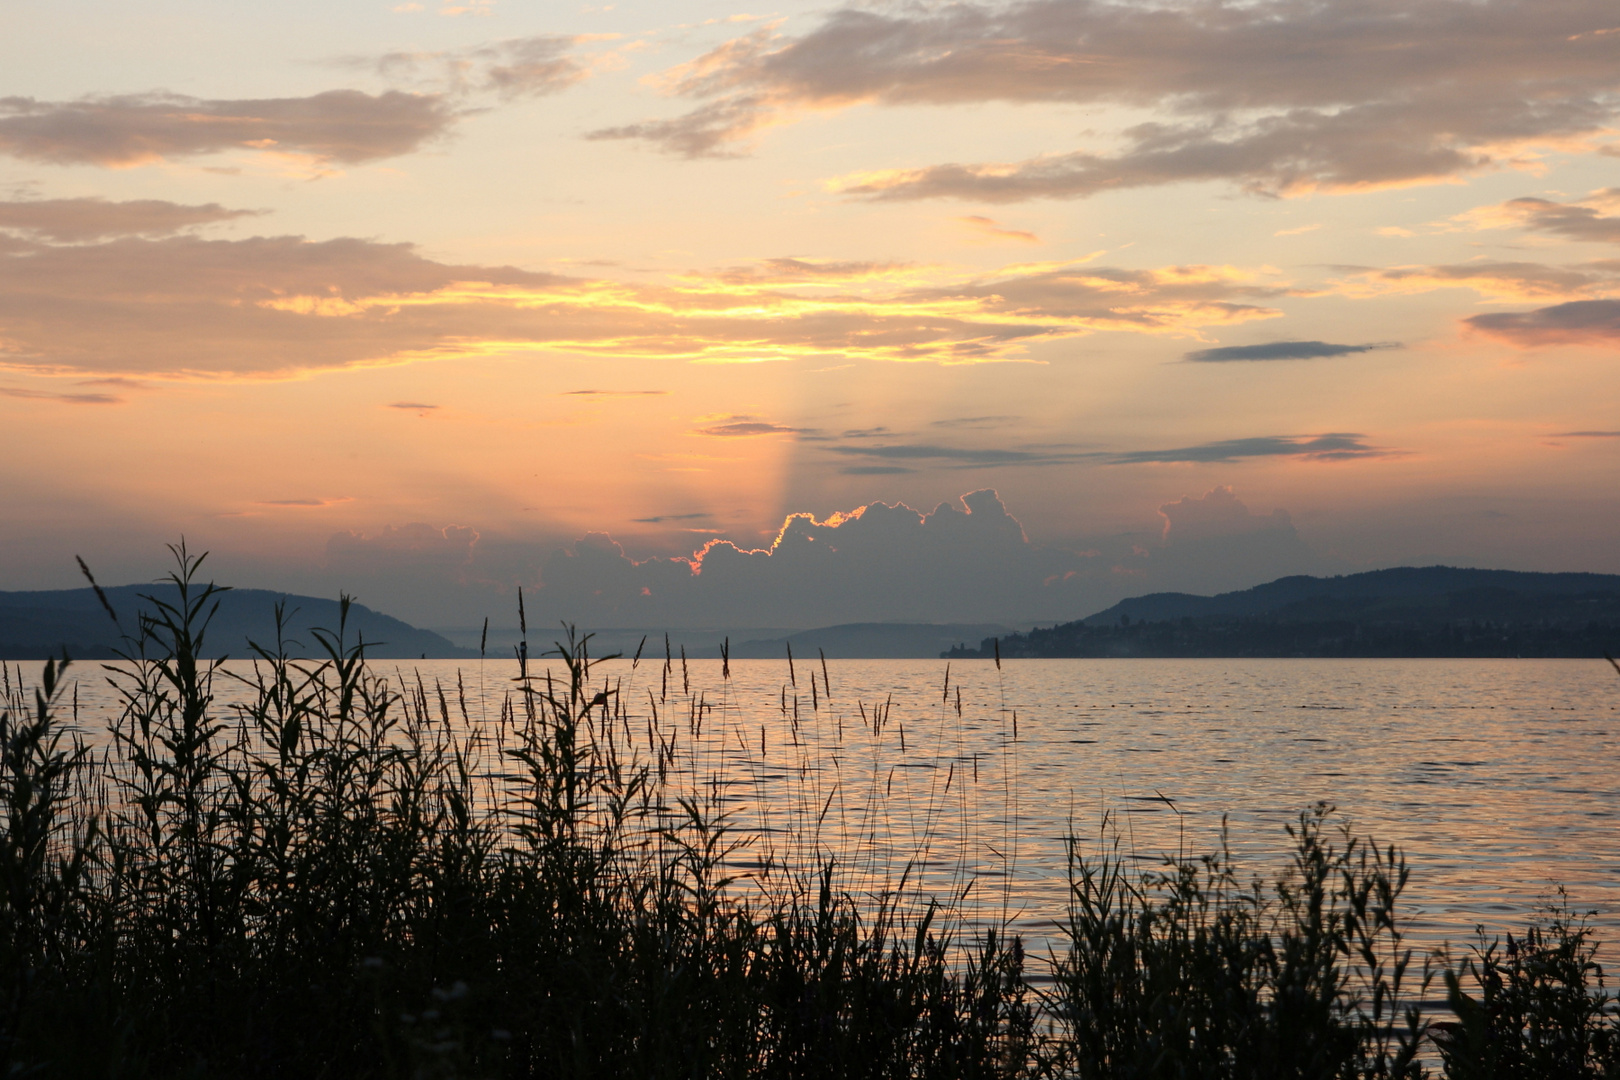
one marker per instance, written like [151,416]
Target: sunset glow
[429,302]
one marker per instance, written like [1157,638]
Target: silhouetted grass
[349,877]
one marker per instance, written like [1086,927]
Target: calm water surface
[1498,778]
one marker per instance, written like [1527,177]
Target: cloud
[344,126]
[1276,96]
[279,306]
[709,131]
[88,219]
[1581,322]
[417,544]
[66,399]
[1495,279]
[742,427]
[961,456]
[963,561]
[509,70]
[975,421]
[877,562]
[1587,434]
[1216,542]
[672,517]
[410,406]
[304,504]
[1281,350]
[990,229]
[1584,219]
[770,273]
[1333,446]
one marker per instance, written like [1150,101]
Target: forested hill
[1409,611]
[36,625]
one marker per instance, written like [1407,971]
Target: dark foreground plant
[1191,972]
[1538,1007]
[349,877]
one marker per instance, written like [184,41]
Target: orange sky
[410,298]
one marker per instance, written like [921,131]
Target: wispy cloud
[343,126]
[981,457]
[1332,446]
[990,229]
[743,427]
[1281,350]
[66,399]
[87,219]
[1498,280]
[1581,322]
[304,504]
[509,70]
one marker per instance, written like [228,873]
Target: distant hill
[868,641]
[36,625]
[1409,611]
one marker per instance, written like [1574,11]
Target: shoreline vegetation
[353,876]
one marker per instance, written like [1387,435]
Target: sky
[690,314]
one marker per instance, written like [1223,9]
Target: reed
[349,876]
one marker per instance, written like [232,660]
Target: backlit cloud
[962,561]
[1279,96]
[876,562]
[276,306]
[342,126]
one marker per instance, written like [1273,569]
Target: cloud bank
[1278,96]
[276,306]
[968,561]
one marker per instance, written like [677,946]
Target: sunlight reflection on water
[1497,778]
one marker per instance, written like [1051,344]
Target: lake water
[1499,779]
